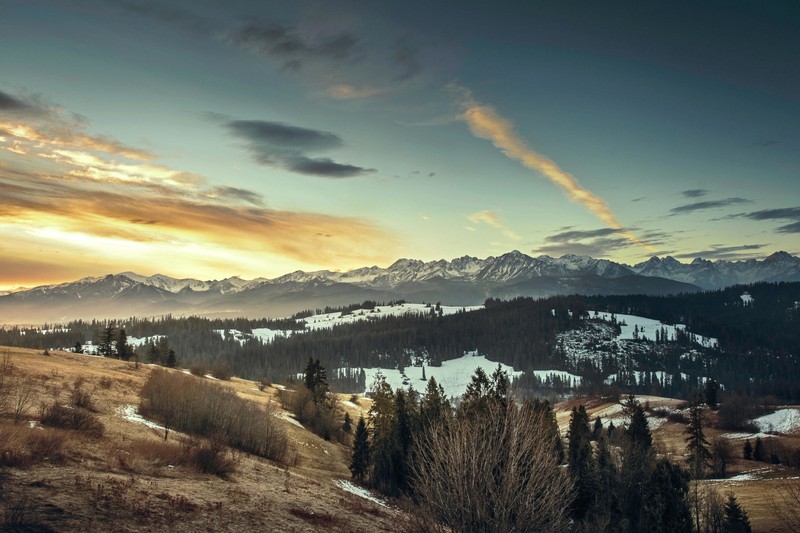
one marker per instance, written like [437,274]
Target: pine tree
[172,359]
[710,392]
[123,350]
[106,340]
[736,519]
[316,380]
[347,424]
[759,454]
[581,462]
[696,443]
[747,450]
[597,430]
[360,462]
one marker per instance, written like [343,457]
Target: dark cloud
[773,214]
[326,168]
[783,213]
[709,204]
[603,247]
[11,103]
[576,235]
[694,193]
[293,47]
[237,194]
[723,252]
[406,58]
[277,135]
[287,146]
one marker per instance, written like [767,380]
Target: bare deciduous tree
[493,472]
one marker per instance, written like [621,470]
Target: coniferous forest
[759,342]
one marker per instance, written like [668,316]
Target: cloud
[344,91]
[11,103]
[490,218]
[293,47]
[694,193]
[575,235]
[723,252]
[234,193]
[406,57]
[286,146]
[484,122]
[601,242]
[709,204]
[784,213]
[277,135]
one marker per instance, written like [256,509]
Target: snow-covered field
[454,375]
[328,320]
[645,328]
[781,421]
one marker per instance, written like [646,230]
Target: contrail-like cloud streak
[484,122]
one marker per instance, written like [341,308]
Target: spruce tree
[747,450]
[347,424]
[123,350]
[581,462]
[758,451]
[106,339]
[359,464]
[736,519]
[696,443]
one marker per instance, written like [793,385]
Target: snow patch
[358,491]
[129,413]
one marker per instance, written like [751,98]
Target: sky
[254,138]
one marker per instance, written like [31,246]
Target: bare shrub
[6,381]
[321,418]
[79,397]
[678,417]
[492,473]
[23,446]
[22,398]
[106,382]
[210,410]
[787,504]
[198,369]
[66,417]
[222,371]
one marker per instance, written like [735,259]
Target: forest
[759,341]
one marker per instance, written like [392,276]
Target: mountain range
[462,281]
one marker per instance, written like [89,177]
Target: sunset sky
[211,139]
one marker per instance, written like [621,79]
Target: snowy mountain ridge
[463,281]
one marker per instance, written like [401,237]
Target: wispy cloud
[283,145]
[724,252]
[785,213]
[344,91]
[491,218]
[694,193]
[486,123]
[708,204]
[294,47]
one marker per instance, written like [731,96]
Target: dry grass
[129,479]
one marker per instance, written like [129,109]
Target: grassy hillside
[117,474]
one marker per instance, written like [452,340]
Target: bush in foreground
[204,408]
